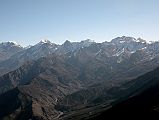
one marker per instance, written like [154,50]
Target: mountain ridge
[76,77]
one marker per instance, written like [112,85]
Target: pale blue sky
[29,21]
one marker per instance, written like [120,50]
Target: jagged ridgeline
[75,80]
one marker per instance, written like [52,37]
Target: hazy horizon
[27,22]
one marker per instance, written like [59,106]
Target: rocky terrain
[141,103]
[49,81]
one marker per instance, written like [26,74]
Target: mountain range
[75,80]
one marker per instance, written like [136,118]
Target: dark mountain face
[15,105]
[43,81]
[76,78]
[136,98]
[141,103]
[62,82]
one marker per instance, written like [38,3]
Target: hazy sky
[29,21]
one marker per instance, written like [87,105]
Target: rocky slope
[49,81]
[141,102]
[118,50]
[7,49]
[57,83]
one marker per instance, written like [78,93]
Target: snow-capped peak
[45,41]
[152,42]
[141,40]
[87,41]
[11,43]
[123,39]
